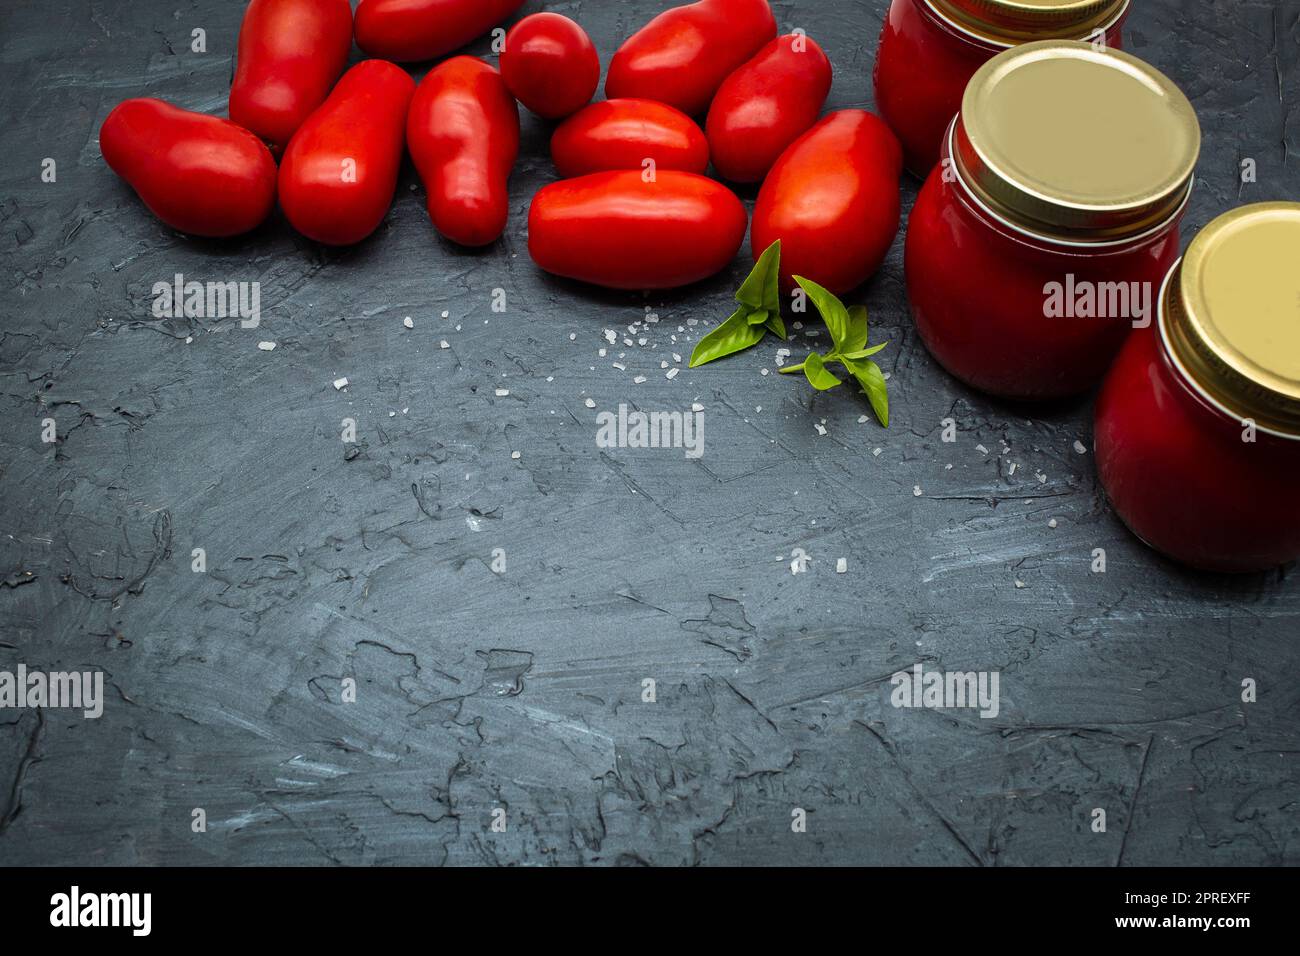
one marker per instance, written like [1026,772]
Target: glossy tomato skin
[766,105]
[411,30]
[550,65]
[340,170]
[463,130]
[832,200]
[623,134]
[616,230]
[682,56]
[200,174]
[290,54]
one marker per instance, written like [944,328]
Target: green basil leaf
[872,381]
[815,371]
[762,290]
[776,324]
[832,311]
[857,336]
[758,318]
[864,353]
[733,335]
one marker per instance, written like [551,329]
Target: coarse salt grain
[266,346]
[340,383]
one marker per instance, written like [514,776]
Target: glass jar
[1041,238]
[1198,423]
[929,49]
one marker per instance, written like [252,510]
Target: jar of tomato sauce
[1198,422]
[1041,238]
[929,49]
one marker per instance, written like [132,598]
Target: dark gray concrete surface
[523,690]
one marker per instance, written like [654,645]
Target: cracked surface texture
[523,690]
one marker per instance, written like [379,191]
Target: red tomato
[339,172]
[199,174]
[623,134]
[463,129]
[615,229]
[407,30]
[682,56]
[550,65]
[766,105]
[832,200]
[290,54]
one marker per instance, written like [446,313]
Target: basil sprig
[759,312]
[848,328]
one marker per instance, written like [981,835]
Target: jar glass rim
[1068,242]
[976,30]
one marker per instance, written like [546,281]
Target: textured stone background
[523,690]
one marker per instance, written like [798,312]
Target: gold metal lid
[1232,314]
[1015,21]
[1076,143]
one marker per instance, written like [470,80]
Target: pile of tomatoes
[635,209]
